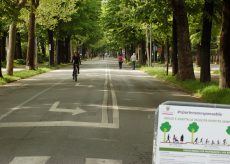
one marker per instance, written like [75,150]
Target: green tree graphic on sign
[193,128]
[228,130]
[165,127]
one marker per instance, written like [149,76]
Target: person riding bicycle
[76,62]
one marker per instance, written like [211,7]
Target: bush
[20,61]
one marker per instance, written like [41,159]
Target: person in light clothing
[133,60]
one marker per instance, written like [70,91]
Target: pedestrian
[133,60]
[120,60]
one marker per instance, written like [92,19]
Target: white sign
[192,134]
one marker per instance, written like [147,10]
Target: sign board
[192,133]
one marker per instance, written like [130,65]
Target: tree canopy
[142,26]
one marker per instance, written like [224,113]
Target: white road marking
[54,108]
[58,123]
[102,161]
[27,101]
[103,124]
[115,106]
[104,117]
[141,109]
[79,85]
[30,160]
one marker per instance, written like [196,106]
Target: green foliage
[20,61]
[165,127]
[50,13]
[214,94]
[22,74]
[193,127]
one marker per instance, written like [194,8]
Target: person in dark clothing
[76,62]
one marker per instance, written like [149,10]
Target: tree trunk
[142,53]
[31,43]
[11,50]
[18,53]
[1,49]
[67,50]
[174,49]
[30,61]
[224,47]
[60,51]
[205,75]
[147,45]
[51,47]
[185,62]
[168,54]
[43,46]
[198,55]
[3,46]
[162,55]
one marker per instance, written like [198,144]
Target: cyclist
[76,62]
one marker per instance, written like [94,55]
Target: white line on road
[27,101]
[58,123]
[54,108]
[30,160]
[115,106]
[104,112]
[102,161]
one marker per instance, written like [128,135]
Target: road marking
[102,161]
[79,85]
[54,108]
[104,112]
[115,106]
[30,160]
[27,101]
[140,109]
[58,123]
[103,124]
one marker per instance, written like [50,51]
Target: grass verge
[209,92]
[23,74]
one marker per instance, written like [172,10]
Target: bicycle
[75,73]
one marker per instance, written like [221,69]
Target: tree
[228,130]
[185,62]
[205,75]
[165,127]
[31,36]
[12,8]
[193,128]
[50,14]
[174,48]
[224,47]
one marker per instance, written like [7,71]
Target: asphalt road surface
[106,117]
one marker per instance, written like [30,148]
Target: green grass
[209,92]
[22,75]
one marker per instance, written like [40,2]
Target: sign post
[192,133]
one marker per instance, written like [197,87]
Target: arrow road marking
[79,85]
[54,108]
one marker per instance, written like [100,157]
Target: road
[107,117]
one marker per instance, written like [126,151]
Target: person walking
[120,60]
[133,60]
